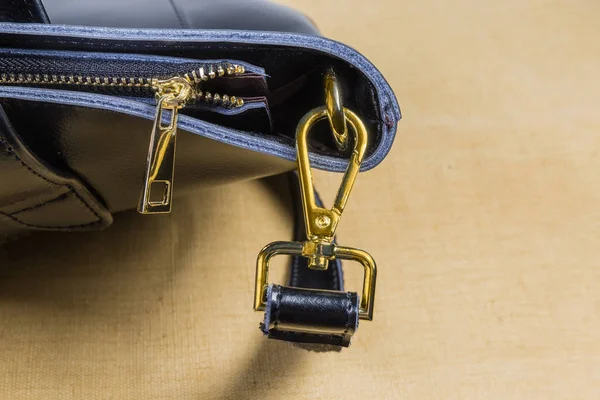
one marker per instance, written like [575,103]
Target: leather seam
[59,227]
[13,204]
[31,16]
[10,150]
[314,335]
[57,198]
[295,271]
[348,314]
[178,14]
[278,303]
[333,276]
[71,189]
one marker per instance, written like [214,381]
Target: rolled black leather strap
[313,309]
[310,316]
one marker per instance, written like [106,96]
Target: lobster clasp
[320,222]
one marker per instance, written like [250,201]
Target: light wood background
[484,220]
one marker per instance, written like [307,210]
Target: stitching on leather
[151,46]
[348,313]
[15,203]
[58,198]
[295,271]
[71,188]
[182,22]
[10,150]
[63,227]
[324,338]
[333,276]
[296,260]
[98,218]
[146,46]
[278,303]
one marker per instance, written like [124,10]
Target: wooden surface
[484,220]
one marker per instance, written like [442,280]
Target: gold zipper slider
[171,94]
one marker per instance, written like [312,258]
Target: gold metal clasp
[171,94]
[321,223]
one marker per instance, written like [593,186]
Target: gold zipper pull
[172,95]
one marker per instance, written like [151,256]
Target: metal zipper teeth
[197,76]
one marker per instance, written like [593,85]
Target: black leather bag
[77,103]
[72,155]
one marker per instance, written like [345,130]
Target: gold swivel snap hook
[321,223]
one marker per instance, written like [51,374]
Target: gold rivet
[323,221]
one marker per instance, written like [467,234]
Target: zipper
[197,76]
[171,94]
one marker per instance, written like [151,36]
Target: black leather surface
[107,150]
[190,14]
[33,194]
[39,197]
[23,11]
[83,143]
[76,142]
[310,316]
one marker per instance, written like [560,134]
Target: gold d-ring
[335,109]
[263,265]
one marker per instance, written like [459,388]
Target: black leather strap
[313,309]
[23,11]
[311,316]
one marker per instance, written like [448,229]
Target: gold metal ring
[335,109]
